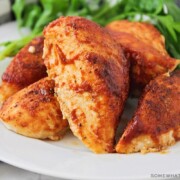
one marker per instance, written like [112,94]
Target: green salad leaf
[18,8]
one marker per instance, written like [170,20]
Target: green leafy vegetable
[18,9]
[164,14]
[31,15]
[13,47]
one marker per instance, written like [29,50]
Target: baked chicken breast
[91,79]
[26,68]
[144,47]
[156,123]
[35,112]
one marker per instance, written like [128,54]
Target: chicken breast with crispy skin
[26,68]
[35,112]
[156,123]
[144,47]
[142,31]
[91,79]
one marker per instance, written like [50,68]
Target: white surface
[8,172]
[70,159]
[4,7]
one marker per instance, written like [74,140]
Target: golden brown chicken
[35,112]
[156,123]
[91,79]
[26,68]
[144,32]
[144,47]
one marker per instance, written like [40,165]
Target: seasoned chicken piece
[26,68]
[144,47]
[144,32]
[156,123]
[91,79]
[35,112]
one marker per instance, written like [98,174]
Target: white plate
[70,159]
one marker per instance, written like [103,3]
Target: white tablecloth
[8,172]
